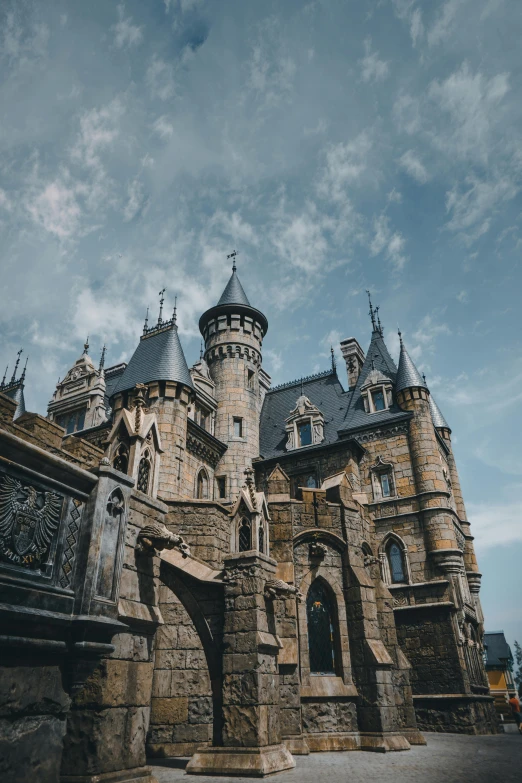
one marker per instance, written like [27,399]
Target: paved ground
[447,758]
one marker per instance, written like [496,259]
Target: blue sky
[337,145]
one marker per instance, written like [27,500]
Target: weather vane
[233,255]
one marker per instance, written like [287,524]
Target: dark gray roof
[498,650]
[112,376]
[158,357]
[234,293]
[407,374]
[17,394]
[436,415]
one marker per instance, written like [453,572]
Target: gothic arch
[202,488]
[390,565]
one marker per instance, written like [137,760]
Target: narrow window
[144,474]
[305,433]
[202,488]
[261,538]
[121,460]
[250,379]
[386,485]
[321,630]
[379,403]
[221,482]
[238,427]
[396,562]
[311,483]
[81,420]
[245,538]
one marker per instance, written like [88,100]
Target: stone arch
[186,709]
[388,541]
[202,488]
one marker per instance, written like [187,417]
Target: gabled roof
[498,651]
[407,374]
[158,357]
[436,415]
[234,292]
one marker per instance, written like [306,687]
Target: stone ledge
[321,743]
[135,775]
[247,762]
[326,687]
[383,742]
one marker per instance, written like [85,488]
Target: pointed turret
[408,376]
[15,387]
[234,292]
[439,422]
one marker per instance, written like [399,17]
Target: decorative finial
[102,358]
[175,312]
[302,389]
[201,351]
[334,365]
[22,378]
[379,325]
[400,336]
[372,312]
[233,255]
[86,346]
[424,379]
[162,299]
[3,379]
[373,364]
[13,378]
[146,324]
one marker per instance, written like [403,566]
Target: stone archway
[186,705]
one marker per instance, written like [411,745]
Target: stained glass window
[321,630]
[396,563]
[245,538]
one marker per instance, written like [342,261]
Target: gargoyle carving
[317,551]
[276,588]
[154,537]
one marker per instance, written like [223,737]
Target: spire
[371,312]
[201,351]
[146,324]
[175,312]
[102,358]
[13,377]
[22,378]
[379,325]
[234,292]
[86,346]
[334,365]
[162,299]
[407,374]
[439,422]
[3,379]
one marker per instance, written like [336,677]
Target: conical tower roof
[158,357]
[436,415]
[16,393]
[407,373]
[234,292]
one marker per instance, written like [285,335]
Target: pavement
[447,758]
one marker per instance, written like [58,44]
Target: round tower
[233,332]
[432,487]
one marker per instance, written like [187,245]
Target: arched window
[396,561]
[321,629]
[121,460]
[245,536]
[261,538]
[202,485]
[144,473]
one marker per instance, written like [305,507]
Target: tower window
[121,460]
[250,379]
[238,427]
[396,561]
[321,629]
[221,482]
[379,403]
[202,485]
[304,430]
[386,485]
[245,536]
[144,474]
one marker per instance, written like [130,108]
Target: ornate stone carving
[317,550]
[154,537]
[71,540]
[381,432]
[29,519]
[276,588]
[202,450]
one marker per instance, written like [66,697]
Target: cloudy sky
[338,145]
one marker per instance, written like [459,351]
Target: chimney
[354,357]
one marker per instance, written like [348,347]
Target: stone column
[251,720]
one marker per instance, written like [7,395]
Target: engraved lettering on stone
[29,519]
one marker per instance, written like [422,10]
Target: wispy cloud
[372,68]
[411,163]
[126,34]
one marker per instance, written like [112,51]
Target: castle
[196,564]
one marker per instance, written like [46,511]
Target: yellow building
[499,664]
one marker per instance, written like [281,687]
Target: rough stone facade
[213,568]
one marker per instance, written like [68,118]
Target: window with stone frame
[305,425]
[121,458]
[73,421]
[322,629]
[383,480]
[144,472]
[304,432]
[379,400]
[376,391]
[250,380]
[245,535]
[238,427]
[308,479]
[221,483]
[396,562]
[202,485]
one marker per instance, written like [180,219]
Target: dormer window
[305,425]
[376,392]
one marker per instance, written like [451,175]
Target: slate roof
[343,410]
[17,394]
[407,374]
[112,376]
[436,415]
[498,650]
[234,292]
[158,357]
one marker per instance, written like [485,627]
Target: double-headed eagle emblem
[28,521]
